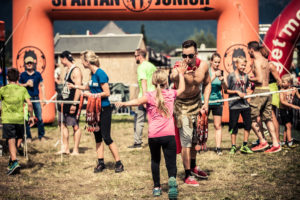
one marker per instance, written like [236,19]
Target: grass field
[44,176]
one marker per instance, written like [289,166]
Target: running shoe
[219,151]
[14,168]
[246,149]
[99,168]
[273,149]
[232,150]
[292,145]
[156,191]
[173,191]
[119,168]
[255,143]
[260,147]
[135,146]
[191,181]
[197,172]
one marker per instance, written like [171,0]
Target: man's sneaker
[173,191]
[135,146]
[291,144]
[246,149]
[199,173]
[156,191]
[273,149]
[232,150]
[219,151]
[191,181]
[14,168]
[260,147]
[119,168]
[99,168]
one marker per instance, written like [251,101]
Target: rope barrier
[251,95]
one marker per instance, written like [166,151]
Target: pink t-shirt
[160,126]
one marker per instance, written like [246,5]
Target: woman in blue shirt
[217,83]
[98,86]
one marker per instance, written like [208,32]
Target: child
[238,83]
[286,106]
[13,97]
[161,127]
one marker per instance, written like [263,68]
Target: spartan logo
[232,53]
[38,56]
[137,5]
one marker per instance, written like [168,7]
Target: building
[115,49]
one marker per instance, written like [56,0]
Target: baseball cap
[29,59]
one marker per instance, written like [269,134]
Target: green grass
[239,176]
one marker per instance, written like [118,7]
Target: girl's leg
[169,150]
[100,150]
[155,146]
[289,131]
[218,130]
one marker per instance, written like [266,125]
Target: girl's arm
[297,93]
[134,102]
[285,103]
[80,87]
[241,94]
[106,91]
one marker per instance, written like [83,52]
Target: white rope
[247,19]
[16,28]
[250,96]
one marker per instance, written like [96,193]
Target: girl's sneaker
[156,191]
[245,149]
[173,191]
[273,149]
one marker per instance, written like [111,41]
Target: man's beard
[138,61]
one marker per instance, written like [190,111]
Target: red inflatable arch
[283,35]
[237,25]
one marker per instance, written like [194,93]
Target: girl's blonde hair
[287,78]
[91,57]
[160,80]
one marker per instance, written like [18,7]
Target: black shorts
[105,124]
[216,110]
[11,131]
[234,118]
[286,116]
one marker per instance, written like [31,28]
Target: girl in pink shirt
[161,133]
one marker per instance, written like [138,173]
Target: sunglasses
[189,55]
[136,55]
[29,63]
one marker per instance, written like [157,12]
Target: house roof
[111,29]
[126,43]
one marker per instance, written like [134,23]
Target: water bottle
[1,150]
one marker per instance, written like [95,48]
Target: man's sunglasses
[189,55]
[29,63]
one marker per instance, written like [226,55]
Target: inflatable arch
[237,25]
[283,35]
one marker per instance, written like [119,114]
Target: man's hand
[204,109]
[31,121]
[29,83]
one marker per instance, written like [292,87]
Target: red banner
[2,31]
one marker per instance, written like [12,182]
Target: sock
[100,160]
[187,173]
[193,163]
[245,143]
[118,163]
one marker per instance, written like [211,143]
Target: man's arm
[77,79]
[43,90]
[206,88]
[144,86]
[30,110]
[283,101]
[275,73]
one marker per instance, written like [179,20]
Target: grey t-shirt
[242,85]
